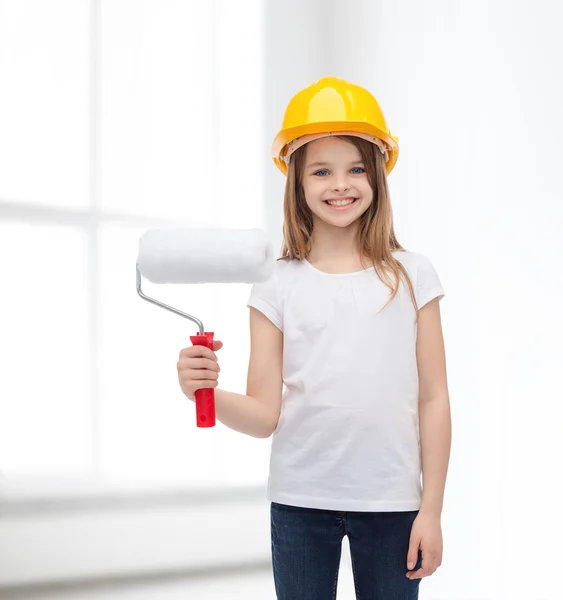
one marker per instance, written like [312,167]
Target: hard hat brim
[287,135]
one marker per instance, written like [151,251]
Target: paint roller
[176,256]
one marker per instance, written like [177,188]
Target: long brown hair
[376,237]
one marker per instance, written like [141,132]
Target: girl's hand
[198,368]
[426,534]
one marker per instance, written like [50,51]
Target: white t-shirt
[348,434]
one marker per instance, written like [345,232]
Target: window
[117,116]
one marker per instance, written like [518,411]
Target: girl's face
[335,182]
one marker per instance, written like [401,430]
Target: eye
[358,170]
[320,173]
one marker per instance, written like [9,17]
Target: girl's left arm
[435,442]
[434,408]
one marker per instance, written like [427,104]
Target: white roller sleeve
[205,256]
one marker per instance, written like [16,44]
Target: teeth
[340,202]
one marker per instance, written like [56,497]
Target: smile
[340,203]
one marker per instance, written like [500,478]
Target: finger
[427,562]
[203,374]
[217,345]
[412,556]
[426,568]
[197,351]
[195,364]
[418,574]
[202,363]
[206,383]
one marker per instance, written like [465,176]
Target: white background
[117,116]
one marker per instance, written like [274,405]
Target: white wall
[98,537]
[474,92]
[294,57]
[128,537]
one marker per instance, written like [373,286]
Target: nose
[340,184]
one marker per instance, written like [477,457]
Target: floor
[247,586]
[253,585]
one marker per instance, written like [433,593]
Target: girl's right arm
[255,413]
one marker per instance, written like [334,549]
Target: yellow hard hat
[333,106]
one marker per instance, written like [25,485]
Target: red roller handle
[204,398]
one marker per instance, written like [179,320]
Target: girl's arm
[434,408]
[256,413]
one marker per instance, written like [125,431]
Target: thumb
[412,555]
[217,345]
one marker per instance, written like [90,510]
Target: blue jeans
[307,544]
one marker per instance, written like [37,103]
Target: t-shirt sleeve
[264,296]
[428,285]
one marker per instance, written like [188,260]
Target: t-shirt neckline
[323,273]
[351,274]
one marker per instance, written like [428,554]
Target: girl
[350,324]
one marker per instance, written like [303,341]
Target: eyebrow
[327,164]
